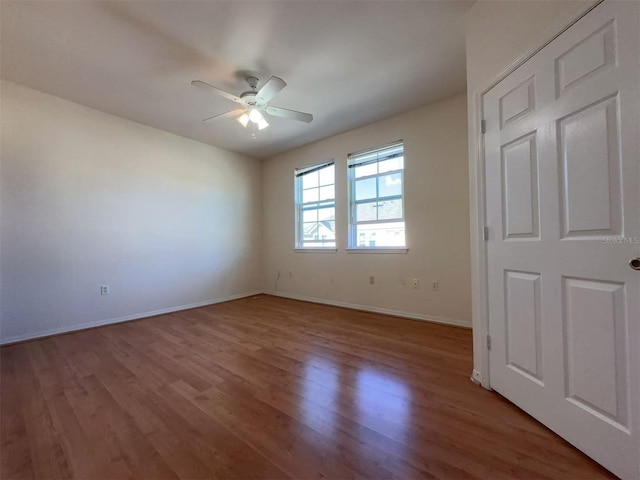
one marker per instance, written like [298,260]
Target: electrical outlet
[372,280]
[416,283]
[434,286]
[105,290]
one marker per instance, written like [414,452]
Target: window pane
[366,189]
[366,170]
[310,231]
[327,192]
[319,232]
[376,197]
[310,215]
[327,175]
[310,180]
[327,214]
[390,185]
[391,164]
[327,230]
[366,212]
[390,209]
[315,193]
[310,195]
[381,235]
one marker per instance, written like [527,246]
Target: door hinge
[488,342]
[485,233]
[483,126]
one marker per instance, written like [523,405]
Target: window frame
[299,208]
[352,163]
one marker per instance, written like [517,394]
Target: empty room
[320,239]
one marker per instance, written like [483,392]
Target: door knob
[635,263]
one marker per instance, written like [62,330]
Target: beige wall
[501,34]
[436,209]
[89,199]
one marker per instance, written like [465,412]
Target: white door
[562,161]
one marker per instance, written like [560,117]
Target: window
[376,209]
[315,206]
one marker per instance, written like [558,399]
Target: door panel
[520,188]
[524,345]
[595,360]
[596,51]
[517,103]
[562,166]
[590,167]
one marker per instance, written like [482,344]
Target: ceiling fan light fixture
[262,124]
[244,120]
[255,116]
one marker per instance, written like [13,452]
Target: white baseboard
[367,308]
[153,313]
[127,318]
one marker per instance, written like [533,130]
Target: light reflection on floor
[320,389]
[384,403]
[378,400]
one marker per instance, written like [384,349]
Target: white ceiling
[348,63]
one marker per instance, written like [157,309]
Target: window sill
[315,250]
[377,250]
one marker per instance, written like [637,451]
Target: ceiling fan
[255,103]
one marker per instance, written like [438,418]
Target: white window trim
[378,250]
[297,241]
[352,241]
[315,249]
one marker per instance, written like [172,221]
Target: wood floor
[265,387]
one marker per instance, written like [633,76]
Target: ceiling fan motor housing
[251,99]
[250,96]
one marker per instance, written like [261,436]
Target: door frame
[479,268]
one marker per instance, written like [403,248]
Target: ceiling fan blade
[270,89]
[222,93]
[232,113]
[292,114]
